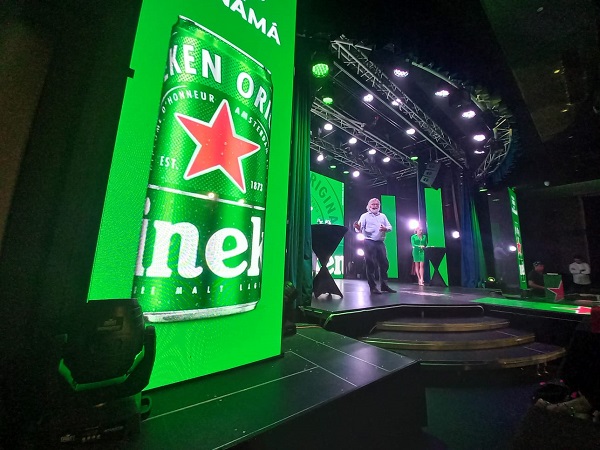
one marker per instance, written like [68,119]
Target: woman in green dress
[419,242]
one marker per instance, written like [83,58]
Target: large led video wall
[327,206]
[194,218]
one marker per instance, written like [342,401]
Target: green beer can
[201,242]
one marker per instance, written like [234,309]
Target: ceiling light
[333,166]
[410,131]
[346,172]
[455,234]
[386,159]
[328,100]
[414,158]
[320,157]
[356,173]
[442,93]
[479,152]
[328,127]
[512,248]
[372,151]
[368,98]
[479,137]
[400,73]
[396,102]
[483,189]
[468,114]
[352,140]
[557,71]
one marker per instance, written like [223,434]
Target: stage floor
[357,297]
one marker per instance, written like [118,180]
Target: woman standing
[419,242]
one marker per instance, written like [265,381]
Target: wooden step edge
[454,345]
[503,363]
[390,326]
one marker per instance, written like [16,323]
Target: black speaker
[431,172]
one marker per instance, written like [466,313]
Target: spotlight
[479,137]
[482,189]
[355,174]
[332,166]
[414,158]
[468,114]
[410,131]
[320,157]
[360,237]
[368,98]
[386,159]
[372,151]
[346,172]
[360,252]
[396,102]
[413,224]
[328,100]
[352,140]
[512,248]
[442,93]
[211,195]
[320,64]
[455,234]
[400,73]
[479,152]
[328,127]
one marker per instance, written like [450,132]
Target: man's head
[538,266]
[374,206]
[578,259]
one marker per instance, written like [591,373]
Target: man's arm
[573,269]
[386,223]
[359,224]
[531,284]
[586,269]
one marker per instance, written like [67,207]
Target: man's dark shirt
[537,278]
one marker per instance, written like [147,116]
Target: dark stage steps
[464,343]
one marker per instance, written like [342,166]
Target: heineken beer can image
[201,241]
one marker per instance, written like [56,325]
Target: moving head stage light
[103,363]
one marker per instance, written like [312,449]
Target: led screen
[194,218]
[327,206]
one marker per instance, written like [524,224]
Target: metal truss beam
[345,156]
[354,58]
[356,129]
[491,163]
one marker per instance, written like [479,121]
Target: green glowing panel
[207,224]
[436,233]
[327,206]
[540,306]
[518,242]
[388,206]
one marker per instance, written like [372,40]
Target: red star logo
[519,248]
[218,146]
[559,292]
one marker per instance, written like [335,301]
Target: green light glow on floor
[537,305]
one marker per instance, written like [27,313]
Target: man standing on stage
[581,275]
[373,225]
[535,279]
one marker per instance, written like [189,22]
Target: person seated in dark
[535,280]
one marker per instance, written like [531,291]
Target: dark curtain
[298,262]
[473,263]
